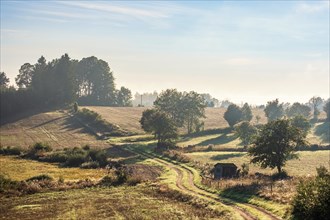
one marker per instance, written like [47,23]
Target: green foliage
[184,108]
[246,112]
[274,110]
[326,108]
[6,183]
[124,97]
[275,144]
[302,123]
[4,80]
[233,115]
[41,177]
[315,102]
[246,132]
[158,123]
[298,109]
[9,150]
[312,200]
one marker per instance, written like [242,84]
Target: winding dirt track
[193,189]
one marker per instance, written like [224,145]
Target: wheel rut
[196,191]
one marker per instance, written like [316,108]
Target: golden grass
[305,165]
[55,128]
[21,169]
[139,202]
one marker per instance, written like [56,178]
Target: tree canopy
[4,80]
[159,124]
[298,109]
[276,143]
[246,112]
[184,108]
[62,81]
[274,110]
[233,114]
[315,102]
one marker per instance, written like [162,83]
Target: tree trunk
[279,169]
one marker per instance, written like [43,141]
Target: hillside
[55,128]
[128,117]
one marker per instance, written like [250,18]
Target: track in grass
[193,189]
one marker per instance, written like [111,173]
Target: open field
[306,164]
[99,203]
[55,128]
[21,169]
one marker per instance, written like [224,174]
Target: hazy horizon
[242,51]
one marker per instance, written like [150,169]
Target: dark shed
[224,170]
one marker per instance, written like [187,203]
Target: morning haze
[275,47]
[164,110]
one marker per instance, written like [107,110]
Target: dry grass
[21,169]
[55,128]
[139,202]
[304,166]
[126,118]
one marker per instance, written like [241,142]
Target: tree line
[89,81]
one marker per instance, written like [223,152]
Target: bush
[38,150]
[90,165]
[245,169]
[6,183]
[41,177]
[75,160]
[58,157]
[312,200]
[41,147]
[11,150]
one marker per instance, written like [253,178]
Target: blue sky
[251,51]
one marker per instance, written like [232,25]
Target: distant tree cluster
[61,81]
[145,99]
[235,114]
[173,110]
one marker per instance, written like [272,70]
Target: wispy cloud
[313,7]
[124,10]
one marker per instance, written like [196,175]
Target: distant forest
[89,81]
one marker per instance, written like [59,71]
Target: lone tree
[276,144]
[158,123]
[233,115]
[4,80]
[274,110]
[246,132]
[246,112]
[315,103]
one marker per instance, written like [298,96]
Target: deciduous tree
[276,143]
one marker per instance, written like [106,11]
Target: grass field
[55,128]
[138,202]
[306,164]
[21,169]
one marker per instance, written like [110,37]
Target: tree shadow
[226,156]
[323,131]
[223,139]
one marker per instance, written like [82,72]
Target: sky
[244,51]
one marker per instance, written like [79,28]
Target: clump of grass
[42,177]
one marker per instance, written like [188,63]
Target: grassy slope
[55,128]
[305,165]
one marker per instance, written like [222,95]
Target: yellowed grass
[55,128]
[306,164]
[21,169]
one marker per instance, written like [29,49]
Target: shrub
[41,177]
[75,160]
[11,150]
[58,157]
[312,200]
[75,107]
[90,165]
[108,180]
[6,183]
[38,150]
[41,147]
[245,169]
